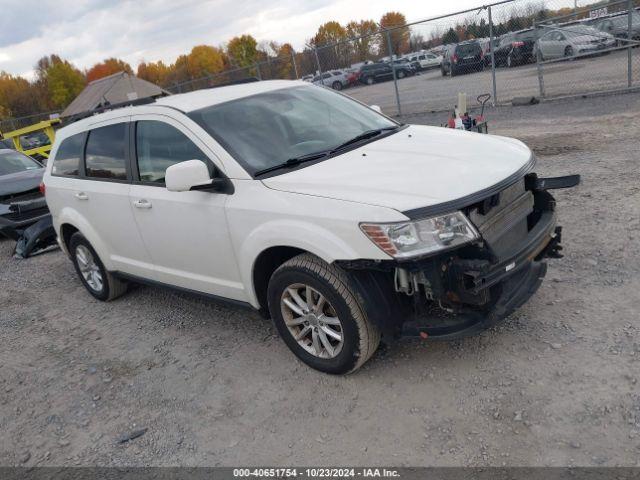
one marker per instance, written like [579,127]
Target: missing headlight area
[457,291]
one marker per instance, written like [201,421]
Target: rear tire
[401,74]
[568,52]
[308,276]
[369,81]
[443,71]
[336,86]
[510,63]
[100,283]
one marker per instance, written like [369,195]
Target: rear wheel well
[267,263]
[66,231]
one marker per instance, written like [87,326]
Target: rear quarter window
[67,160]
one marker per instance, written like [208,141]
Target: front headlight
[421,237]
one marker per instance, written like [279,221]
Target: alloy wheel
[312,320]
[89,269]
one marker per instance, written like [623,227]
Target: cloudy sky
[87,31]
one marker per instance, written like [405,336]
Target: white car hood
[416,167]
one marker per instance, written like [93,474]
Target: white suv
[339,223]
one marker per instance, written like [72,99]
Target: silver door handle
[81,196]
[142,203]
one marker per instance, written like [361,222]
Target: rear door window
[160,145]
[105,156]
[468,49]
[67,160]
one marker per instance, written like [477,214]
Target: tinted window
[14,162]
[105,154]
[468,49]
[159,146]
[67,161]
[267,129]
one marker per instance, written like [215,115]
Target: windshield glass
[14,162]
[267,129]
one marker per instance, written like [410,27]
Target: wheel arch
[70,222]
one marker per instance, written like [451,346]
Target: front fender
[309,237]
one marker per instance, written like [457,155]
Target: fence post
[258,74]
[295,67]
[315,51]
[393,69]
[629,42]
[493,59]
[539,65]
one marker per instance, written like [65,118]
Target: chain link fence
[510,49]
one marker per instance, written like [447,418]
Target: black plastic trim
[450,206]
[155,283]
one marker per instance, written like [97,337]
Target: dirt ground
[555,384]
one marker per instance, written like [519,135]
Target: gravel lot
[555,384]
[430,91]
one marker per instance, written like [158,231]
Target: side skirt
[210,296]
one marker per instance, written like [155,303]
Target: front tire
[369,81]
[568,52]
[100,283]
[337,86]
[401,74]
[319,317]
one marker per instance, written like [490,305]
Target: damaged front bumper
[463,291]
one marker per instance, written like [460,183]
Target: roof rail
[111,106]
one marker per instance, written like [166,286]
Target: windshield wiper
[292,162]
[364,136]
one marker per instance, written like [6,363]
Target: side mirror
[183,176]
[376,108]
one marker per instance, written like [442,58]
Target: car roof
[186,102]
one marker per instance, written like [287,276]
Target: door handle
[81,196]
[142,203]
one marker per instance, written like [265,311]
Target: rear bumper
[20,215]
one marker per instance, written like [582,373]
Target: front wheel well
[267,263]
[66,231]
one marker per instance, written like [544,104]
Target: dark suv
[618,26]
[379,72]
[516,48]
[462,57]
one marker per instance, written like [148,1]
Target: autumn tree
[329,40]
[363,34]
[204,60]
[154,72]
[399,35]
[16,96]
[107,67]
[243,51]
[64,82]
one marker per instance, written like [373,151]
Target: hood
[20,182]
[416,167]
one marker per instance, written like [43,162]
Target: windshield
[267,129]
[14,162]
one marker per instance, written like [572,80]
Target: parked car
[485,43]
[382,71]
[21,200]
[516,48]
[618,26]
[352,75]
[336,79]
[462,58]
[7,143]
[307,78]
[425,61]
[337,222]
[572,40]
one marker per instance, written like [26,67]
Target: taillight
[517,44]
[42,188]
[455,58]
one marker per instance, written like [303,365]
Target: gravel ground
[555,384]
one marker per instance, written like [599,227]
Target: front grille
[504,225]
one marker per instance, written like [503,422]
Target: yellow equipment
[41,148]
